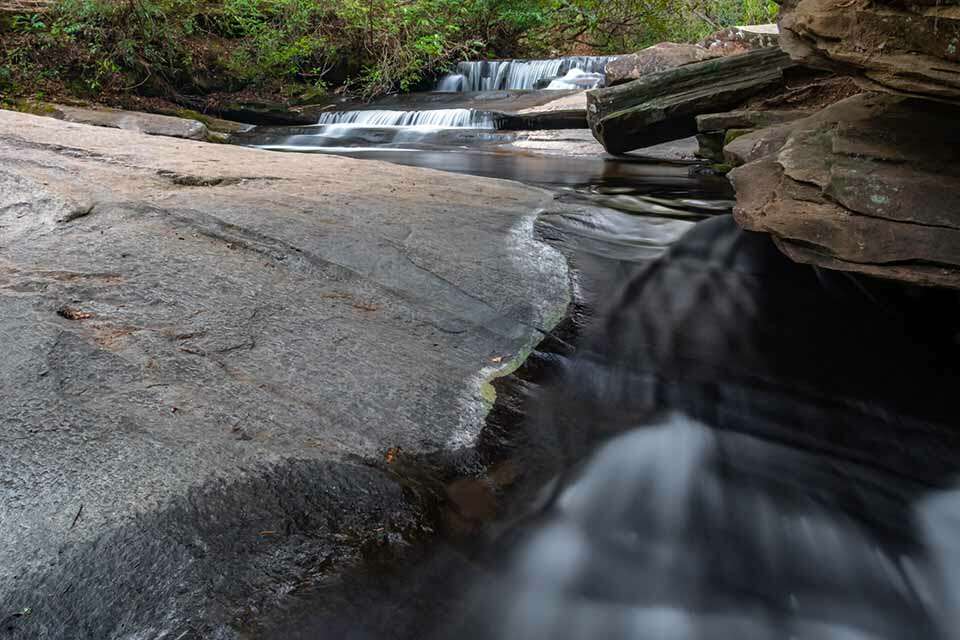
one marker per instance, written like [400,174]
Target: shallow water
[734,446]
[633,185]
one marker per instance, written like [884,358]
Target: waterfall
[496,75]
[577,79]
[445,118]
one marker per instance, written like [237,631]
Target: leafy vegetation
[174,47]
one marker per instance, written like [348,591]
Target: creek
[725,444]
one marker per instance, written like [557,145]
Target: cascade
[496,75]
[445,118]
[577,79]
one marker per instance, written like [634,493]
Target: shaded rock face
[867,185]
[659,57]
[911,47]
[663,106]
[209,349]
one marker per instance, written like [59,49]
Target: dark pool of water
[730,445]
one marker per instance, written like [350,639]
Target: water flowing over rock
[453,118]
[911,46]
[576,79]
[496,75]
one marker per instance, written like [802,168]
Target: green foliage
[616,26]
[27,23]
[370,46]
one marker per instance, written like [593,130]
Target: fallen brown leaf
[73,314]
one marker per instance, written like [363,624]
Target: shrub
[370,46]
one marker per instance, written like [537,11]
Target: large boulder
[209,352]
[149,123]
[659,57]
[663,106]
[904,46]
[739,39]
[867,185]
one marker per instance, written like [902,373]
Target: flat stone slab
[571,102]
[149,123]
[207,345]
[564,142]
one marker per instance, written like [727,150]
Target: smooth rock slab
[202,343]
[149,123]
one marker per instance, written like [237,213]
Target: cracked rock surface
[203,344]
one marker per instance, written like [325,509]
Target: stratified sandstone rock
[867,185]
[659,57]
[663,106]
[909,46]
[748,119]
[755,145]
[715,128]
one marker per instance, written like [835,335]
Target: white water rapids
[497,75]
[440,118]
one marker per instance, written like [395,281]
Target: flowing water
[492,75]
[439,118]
[726,445]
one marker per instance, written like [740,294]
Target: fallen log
[663,106]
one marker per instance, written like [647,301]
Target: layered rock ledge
[867,185]
[903,46]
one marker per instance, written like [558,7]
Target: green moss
[29,106]
[733,134]
[487,390]
[722,168]
[190,114]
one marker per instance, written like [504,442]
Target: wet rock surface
[866,185]
[210,351]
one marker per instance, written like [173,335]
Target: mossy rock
[733,134]
[30,106]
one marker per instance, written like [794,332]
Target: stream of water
[582,72]
[735,446]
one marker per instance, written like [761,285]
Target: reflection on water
[631,185]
